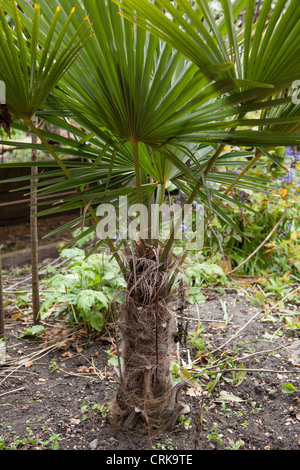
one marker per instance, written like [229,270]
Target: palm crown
[146,107]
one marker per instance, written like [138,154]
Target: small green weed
[213,435]
[184,422]
[167,445]
[53,366]
[12,442]
[92,410]
[234,445]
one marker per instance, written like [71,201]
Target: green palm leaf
[30,74]
[261,57]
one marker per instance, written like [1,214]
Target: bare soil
[14,238]
[56,392]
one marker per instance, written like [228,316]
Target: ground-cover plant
[42,441]
[280,254]
[155,104]
[83,290]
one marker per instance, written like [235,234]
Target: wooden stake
[34,236]
[2,321]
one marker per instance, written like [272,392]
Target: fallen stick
[236,334]
[274,371]
[285,297]
[245,358]
[12,391]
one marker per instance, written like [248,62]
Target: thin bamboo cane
[2,321]
[34,234]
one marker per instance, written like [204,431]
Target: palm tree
[156,102]
[30,74]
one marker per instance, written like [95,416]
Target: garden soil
[55,391]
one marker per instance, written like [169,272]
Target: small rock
[186,410]
[295,352]
[93,445]
[237,405]
[74,421]
[47,261]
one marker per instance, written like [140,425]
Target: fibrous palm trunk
[146,392]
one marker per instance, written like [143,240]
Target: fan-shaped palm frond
[263,52]
[30,72]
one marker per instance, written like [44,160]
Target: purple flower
[290,175]
[183,227]
[243,197]
[290,152]
[196,205]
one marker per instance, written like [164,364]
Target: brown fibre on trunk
[146,394]
[5,118]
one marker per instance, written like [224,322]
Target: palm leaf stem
[169,243]
[214,159]
[135,148]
